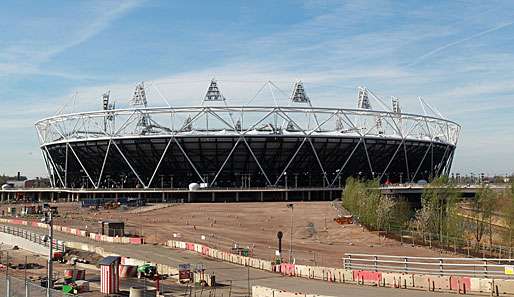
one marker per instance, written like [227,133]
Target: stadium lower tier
[255,161]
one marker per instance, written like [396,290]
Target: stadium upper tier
[223,145]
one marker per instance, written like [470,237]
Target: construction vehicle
[146,270]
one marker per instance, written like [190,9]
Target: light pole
[285,178]
[291,205]
[49,221]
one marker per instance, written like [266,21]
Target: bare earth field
[317,239]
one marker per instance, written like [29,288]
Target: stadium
[219,145]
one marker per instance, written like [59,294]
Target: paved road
[227,273]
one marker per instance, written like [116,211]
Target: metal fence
[15,287]
[474,267]
[455,244]
[34,237]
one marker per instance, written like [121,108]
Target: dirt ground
[38,270]
[317,239]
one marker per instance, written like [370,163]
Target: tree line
[443,213]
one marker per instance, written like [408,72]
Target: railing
[455,244]
[474,267]
[58,245]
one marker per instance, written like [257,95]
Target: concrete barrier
[503,286]
[367,277]
[397,280]
[481,284]
[73,231]
[343,275]
[287,269]
[259,291]
[431,282]
[460,283]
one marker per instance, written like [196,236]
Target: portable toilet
[109,275]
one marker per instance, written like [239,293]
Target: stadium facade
[221,145]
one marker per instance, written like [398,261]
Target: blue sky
[458,55]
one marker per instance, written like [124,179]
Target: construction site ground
[38,270]
[234,279]
[317,239]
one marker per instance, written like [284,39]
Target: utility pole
[291,205]
[7,279]
[27,289]
[248,270]
[48,219]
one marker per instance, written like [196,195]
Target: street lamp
[48,219]
[291,205]
[285,178]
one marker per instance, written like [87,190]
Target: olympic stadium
[219,145]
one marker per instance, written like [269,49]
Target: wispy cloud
[96,26]
[457,42]
[25,57]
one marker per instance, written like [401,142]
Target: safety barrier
[374,277]
[58,245]
[77,232]
[259,291]
[470,267]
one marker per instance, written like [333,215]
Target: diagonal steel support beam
[66,169]
[103,164]
[290,161]
[54,166]
[421,162]
[160,161]
[81,165]
[189,160]
[406,159]
[226,160]
[130,165]
[391,160]
[257,161]
[319,161]
[51,175]
[362,136]
[440,163]
[346,162]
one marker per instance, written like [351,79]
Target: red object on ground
[136,240]
[460,283]
[287,269]
[363,275]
